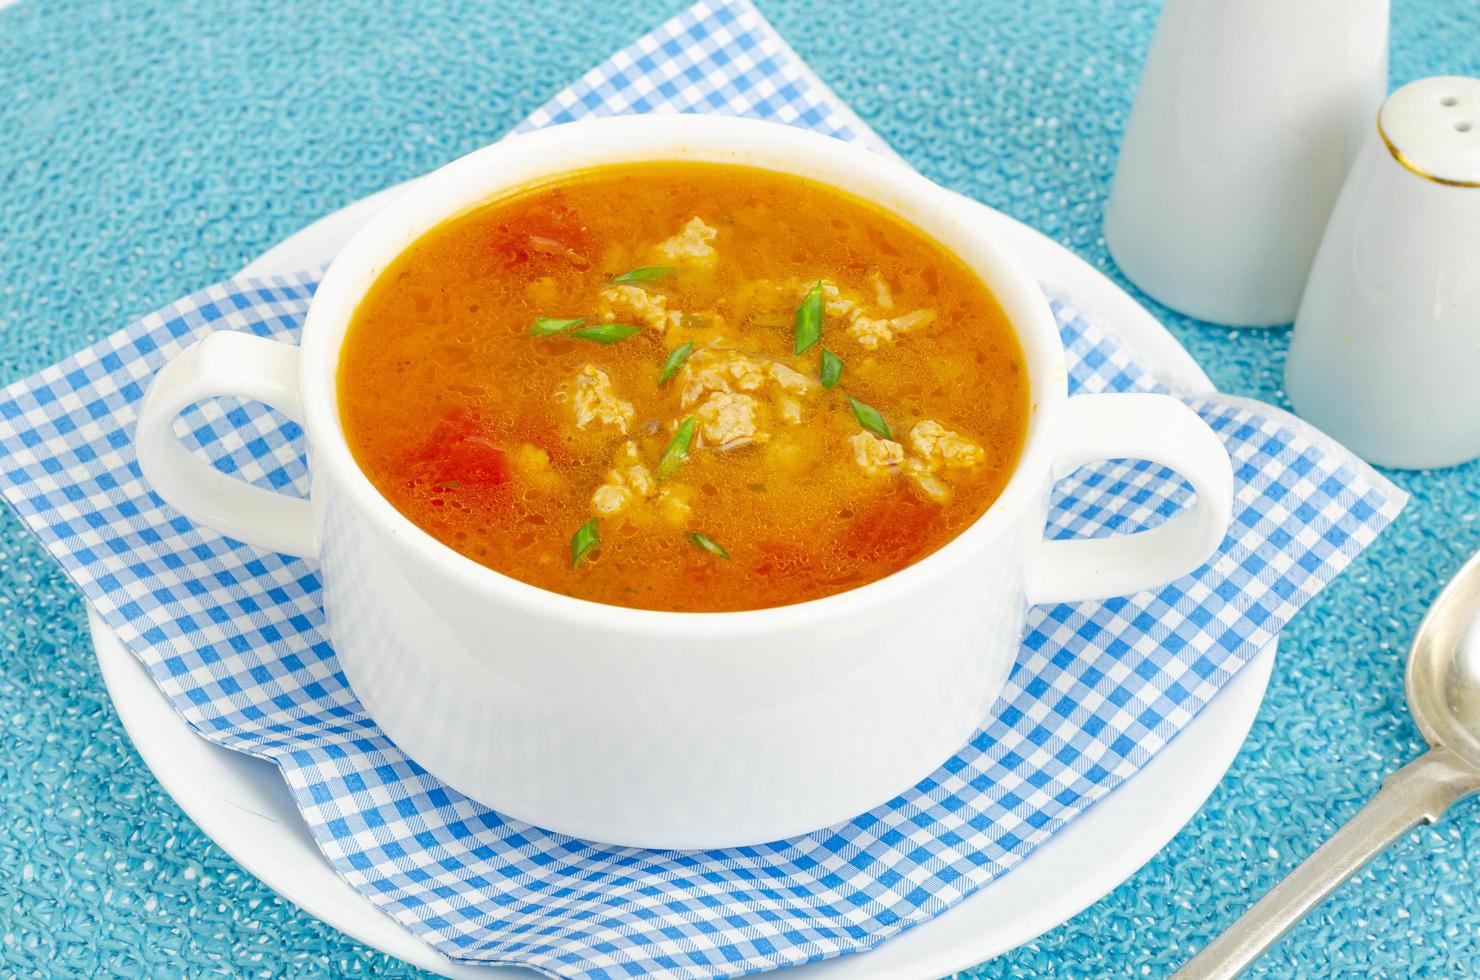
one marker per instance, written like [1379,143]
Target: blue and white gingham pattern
[719,56]
[235,638]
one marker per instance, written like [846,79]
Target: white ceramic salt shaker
[1247,117]
[1386,351]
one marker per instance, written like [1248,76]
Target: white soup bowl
[662,729]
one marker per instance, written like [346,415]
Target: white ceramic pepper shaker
[1386,351]
[1248,114]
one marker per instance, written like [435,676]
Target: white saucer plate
[242,804]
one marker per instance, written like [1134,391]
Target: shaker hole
[1463,126]
[1448,100]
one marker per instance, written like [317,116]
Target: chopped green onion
[678,449]
[586,537]
[605,333]
[832,368]
[708,544]
[808,321]
[648,273]
[547,326]
[676,360]
[870,419]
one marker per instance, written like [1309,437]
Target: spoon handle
[1418,793]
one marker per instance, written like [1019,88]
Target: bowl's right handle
[1136,426]
[224,363]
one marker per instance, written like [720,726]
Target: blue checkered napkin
[235,638]
[719,56]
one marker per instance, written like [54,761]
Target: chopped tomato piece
[457,452]
[552,234]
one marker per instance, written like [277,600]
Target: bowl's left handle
[224,363]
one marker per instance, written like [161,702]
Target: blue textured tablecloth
[149,148]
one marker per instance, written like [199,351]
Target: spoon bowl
[1443,676]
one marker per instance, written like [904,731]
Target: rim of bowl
[592,143]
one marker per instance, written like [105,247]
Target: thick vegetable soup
[684,387]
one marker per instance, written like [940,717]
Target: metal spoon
[1443,681]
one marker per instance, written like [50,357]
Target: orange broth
[502,444]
